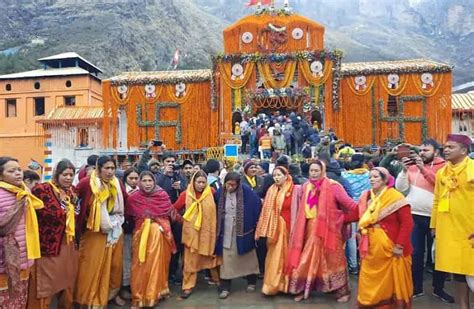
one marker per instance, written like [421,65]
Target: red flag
[255,2]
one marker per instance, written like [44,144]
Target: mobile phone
[403,151]
[157,143]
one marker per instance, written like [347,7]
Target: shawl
[67,197]
[268,222]
[107,199]
[247,214]
[373,209]
[31,220]
[148,206]
[202,240]
[328,218]
[449,178]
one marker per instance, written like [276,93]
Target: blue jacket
[251,212]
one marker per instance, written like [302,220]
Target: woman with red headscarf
[316,258]
[152,245]
[385,225]
[277,219]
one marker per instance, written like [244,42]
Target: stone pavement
[206,297]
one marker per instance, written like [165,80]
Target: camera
[176,167]
[157,143]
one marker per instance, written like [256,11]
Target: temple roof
[74,113]
[398,66]
[162,77]
[462,102]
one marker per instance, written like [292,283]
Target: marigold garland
[268,80]
[437,80]
[368,87]
[305,69]
[226,73]
[402,84]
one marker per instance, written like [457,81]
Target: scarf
[148,206]
[195,209]
[375,209]
[311,195]
[251,180]
[268,222]
[450,179]
[103,192]
[31,221]
[65,197]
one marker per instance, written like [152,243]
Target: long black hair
[63,165]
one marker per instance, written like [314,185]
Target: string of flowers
[336,81]
[279,57]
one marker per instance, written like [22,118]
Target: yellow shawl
[31,221]
[70,214]
[102,192]
[450,179]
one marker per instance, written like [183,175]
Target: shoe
[353,271]
[444,297]
[419,294]
[251,288]
[210,282]
[224,294]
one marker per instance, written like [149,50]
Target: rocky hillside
[143,34]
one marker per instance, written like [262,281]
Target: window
[39,106]
[70,101]
[83,137]
[10,107]
[68,83]
[8,87]
[37,85]
[392,106]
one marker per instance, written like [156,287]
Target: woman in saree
[54,274]
[385,226]
[150,209]
[100,221]
[199,231]
[276,221]
[19,237]
[316,258]
[130,181]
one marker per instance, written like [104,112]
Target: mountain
[123,35]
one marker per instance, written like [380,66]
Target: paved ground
[205,297]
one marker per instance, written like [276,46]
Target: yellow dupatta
[70,213]
[196,207]
[450,179]
[31,221]
[102,192]
[251,180]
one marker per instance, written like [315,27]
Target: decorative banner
[388,82]
[297,33]
[313,77]
[360,85]
[360,82]
[427,80]
[226,73]
[427,84]
[237,71]
[247,37]
[121,94]
[393,80]
[180,90]
[150,91]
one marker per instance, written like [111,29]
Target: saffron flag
[255,2]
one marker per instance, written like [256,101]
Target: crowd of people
[98,233]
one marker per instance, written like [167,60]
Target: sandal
[299,297]
[119,301]
[186,294]
[343,299]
